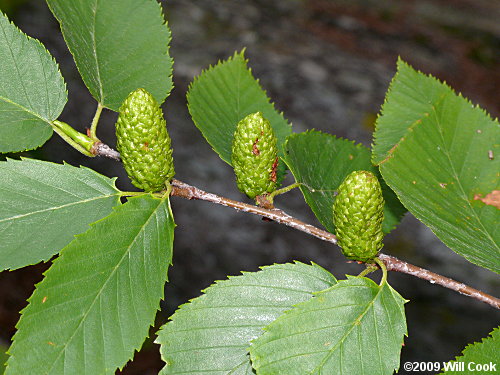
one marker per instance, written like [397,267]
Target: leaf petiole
[95,121]
[159,194]
[168,184]
[132,193]
[284,190]
[369,269]
[384,270]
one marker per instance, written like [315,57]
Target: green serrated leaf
[118,46]
[484,354]
[97,301]
[439,154]
[43,205]
[354,327]
[321,162]
[223,95]
[3,358]
[211,334]
[32,90]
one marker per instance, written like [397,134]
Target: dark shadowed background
[326,65]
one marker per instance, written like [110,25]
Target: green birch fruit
[358,212]
[255,155]
[143,142]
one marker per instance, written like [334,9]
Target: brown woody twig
[394,264]
[184,190]
[102,149]
[181,189]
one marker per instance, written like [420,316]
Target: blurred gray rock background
[326,65]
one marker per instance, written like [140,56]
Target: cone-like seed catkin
[143,142]
[358,212]
[255,155]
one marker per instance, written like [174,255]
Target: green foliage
[3,358]
[321,162]
[354,327]
[32,90]
[118,46]
[483,352]
[211,334]
[51,202]
[434,150]
[97,301]
[224,94]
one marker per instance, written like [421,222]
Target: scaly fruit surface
[358,212]
[255,155]
[143,142]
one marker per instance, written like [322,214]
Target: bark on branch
[394,264]
[181,189]
[184,190]
[102,149]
